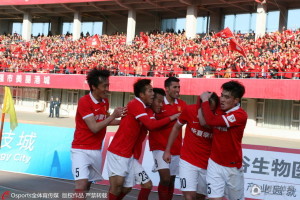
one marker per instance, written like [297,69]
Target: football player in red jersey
[121,150]
[225,176]
[158,140]
[92,118]
[141,176]
[195,150]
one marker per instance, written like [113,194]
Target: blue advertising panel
[37,149]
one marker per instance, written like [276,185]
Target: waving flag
[225,33]
[144,38]
[93,41]
[234,46]
[9,108]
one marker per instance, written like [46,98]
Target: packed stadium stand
[274,55]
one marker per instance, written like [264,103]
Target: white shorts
[140,175]
[86,164]
[224,181]
[120,166]
[159,163]
[192,178]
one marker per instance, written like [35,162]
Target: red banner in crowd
[225,33]
[255,88]
[234,46]
[93,41]
[31,2]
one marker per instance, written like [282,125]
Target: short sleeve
[183,118]
[84,108]
[137,109]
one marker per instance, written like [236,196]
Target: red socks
[171,191]
[163,192]
[112,196]
[144,194]
[121,196]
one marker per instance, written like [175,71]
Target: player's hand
[167,156]
[124,112]
[175,116]
[205,96]
[118,112]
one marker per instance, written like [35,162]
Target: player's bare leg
[116,185]
[200,196]
[82,186]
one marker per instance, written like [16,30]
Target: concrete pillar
[191,22]
[27,26]
[76,26]
[105,27]
[283,17]
[251,111]
[56,26]
[216,21]
[131,23]
[5,27]
[261,20]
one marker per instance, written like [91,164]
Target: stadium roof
[95,10]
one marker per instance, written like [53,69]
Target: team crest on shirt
[231,118]
[179,108]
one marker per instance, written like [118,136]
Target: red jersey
[84,138]
[158,139]
[129,130]
[228,132]
[197,140]
[143,133]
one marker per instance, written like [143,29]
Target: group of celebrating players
[208,160]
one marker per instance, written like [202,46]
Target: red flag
[93,41]
[234,46]
[144,38]
[226,33]
[43,46]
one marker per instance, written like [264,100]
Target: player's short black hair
[140,86]
[236,89]
[169,80]
[159,91]
[214,97]
[96,77]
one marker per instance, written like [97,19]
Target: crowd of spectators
[276,55]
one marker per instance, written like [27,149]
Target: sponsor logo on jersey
[201,133]
[231,118]
[220,128]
